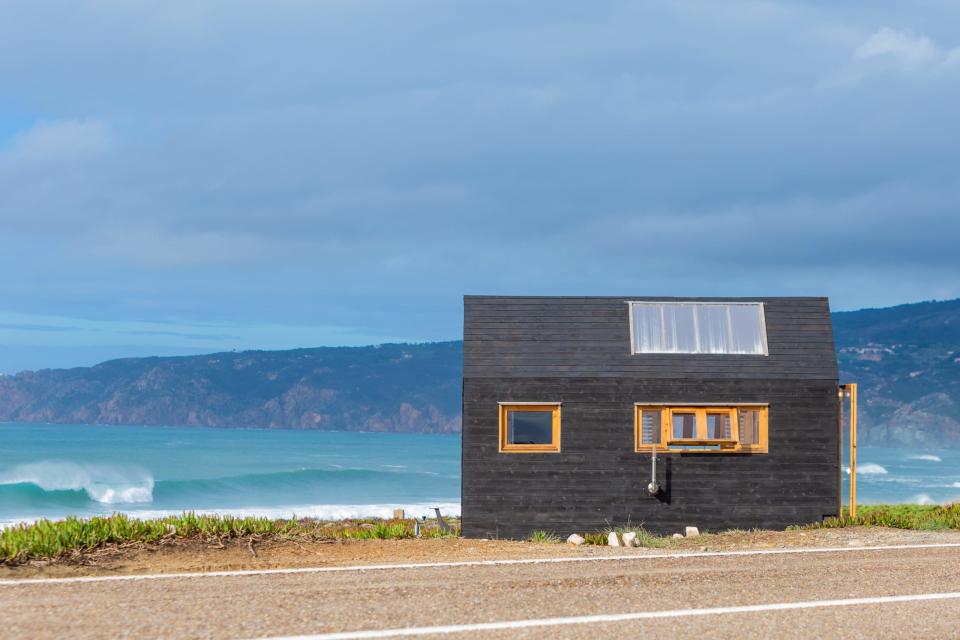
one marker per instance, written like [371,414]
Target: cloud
[158,248]
[899,50]
[52,141]
[903,46]
[362,165]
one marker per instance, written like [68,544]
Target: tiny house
[583,413]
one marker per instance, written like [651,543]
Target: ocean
[52,471]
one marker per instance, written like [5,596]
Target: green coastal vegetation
[897,516]
[56,539]
[53,539]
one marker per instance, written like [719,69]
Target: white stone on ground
[678,535]
[630,539]
[692,532]
[575,539]
[613,540]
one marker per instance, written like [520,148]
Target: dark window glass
[650,427]
[718,426]
[530,427]
[684,426]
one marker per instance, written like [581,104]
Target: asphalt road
[668,597]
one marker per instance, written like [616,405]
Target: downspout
[653,488]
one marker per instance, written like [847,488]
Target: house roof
[540,336]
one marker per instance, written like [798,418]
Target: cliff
[905,358]
[391,387]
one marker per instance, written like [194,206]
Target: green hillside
[391,387]
[906,360]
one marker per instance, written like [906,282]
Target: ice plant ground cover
[50,539]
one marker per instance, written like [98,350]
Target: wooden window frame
[506,408]
[669,444]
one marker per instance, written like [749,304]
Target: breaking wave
[309,492]
[867,469]
[103,483]
[926,456]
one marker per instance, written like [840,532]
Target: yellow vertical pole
[840,391]
[853,449]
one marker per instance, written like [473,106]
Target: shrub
[544,537]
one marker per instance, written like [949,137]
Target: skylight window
[698,327]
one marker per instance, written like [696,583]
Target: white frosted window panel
[746,324]
[680,328]
[692,327]
[648,328]
[713,328]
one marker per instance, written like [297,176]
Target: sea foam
[104,483]
[316,511]
[926,456]
[868,468]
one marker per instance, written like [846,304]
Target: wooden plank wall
[558,337]
[538,350]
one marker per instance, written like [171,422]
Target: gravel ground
[191,556]
[254,606]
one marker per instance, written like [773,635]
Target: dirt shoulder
[251,553]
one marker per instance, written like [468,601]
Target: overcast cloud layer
[178,177]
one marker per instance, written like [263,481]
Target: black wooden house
[565,400]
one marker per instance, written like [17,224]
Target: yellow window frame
[506,408]
[669,444]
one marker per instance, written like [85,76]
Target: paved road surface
[926,582]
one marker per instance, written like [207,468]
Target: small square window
[529,428]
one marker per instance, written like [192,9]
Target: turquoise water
[919,476]
[58,470]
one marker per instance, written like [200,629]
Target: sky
[183,177]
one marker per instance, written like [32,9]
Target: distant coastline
[905,359]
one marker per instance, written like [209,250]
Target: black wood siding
[576,351]
[559,337]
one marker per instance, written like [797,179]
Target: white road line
[617,617]
[470,563]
